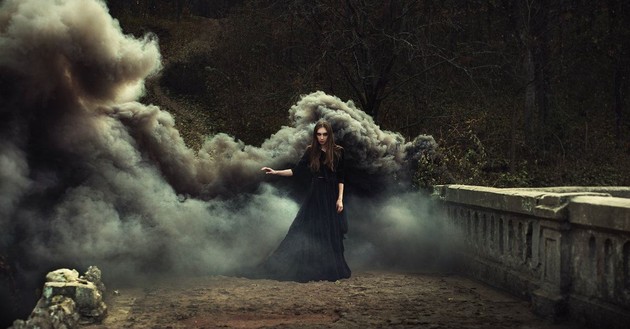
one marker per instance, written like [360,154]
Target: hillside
[232,75]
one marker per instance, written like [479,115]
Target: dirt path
[367,300]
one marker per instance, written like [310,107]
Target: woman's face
[322,136]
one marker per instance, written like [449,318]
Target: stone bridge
[565,249]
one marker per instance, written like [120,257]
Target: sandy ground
[367,300]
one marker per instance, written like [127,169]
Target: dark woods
[171,8]
[516,92]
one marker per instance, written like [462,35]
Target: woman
[313,247]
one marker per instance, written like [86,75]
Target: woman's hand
[268,170]
[339,206]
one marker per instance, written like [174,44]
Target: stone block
[58,312]
[88,299]
[62,275]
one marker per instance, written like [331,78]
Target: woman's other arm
[341,179]
[340,199]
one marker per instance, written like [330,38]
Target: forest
[515,92]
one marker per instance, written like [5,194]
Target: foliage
[516,93]
[464,159]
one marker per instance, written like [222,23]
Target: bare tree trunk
[531,22]
[541,63]
[513,123]
[618,99]
[619,13]
[530,96]
[522,23]
[179,9]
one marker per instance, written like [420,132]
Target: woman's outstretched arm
[284,172]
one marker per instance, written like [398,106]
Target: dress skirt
[313,247]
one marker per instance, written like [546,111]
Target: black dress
[313,248]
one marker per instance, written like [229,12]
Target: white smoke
[401,231]
[89,176]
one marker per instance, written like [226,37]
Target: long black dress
[313,248]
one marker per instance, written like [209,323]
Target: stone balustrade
[566,249]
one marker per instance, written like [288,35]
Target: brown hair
[332,149]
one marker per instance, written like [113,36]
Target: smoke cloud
[90,176]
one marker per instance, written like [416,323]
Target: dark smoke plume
[89,176]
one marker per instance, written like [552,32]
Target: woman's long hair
[332,149]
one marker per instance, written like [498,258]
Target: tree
[377,46]
[530,21]
[619,53]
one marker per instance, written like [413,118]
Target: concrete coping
[601,212]
[539,203]
[616,191]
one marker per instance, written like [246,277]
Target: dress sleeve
[341,167]
[301,167]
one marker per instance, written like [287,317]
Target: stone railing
[565,249]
